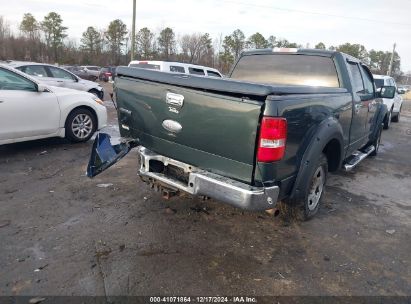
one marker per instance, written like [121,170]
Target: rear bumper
[205,183]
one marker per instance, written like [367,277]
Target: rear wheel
[313,192]
[387,120]
[376,142]
[396,118]
[80,125]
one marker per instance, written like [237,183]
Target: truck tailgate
[218,131]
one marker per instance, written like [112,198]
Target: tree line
[47,41]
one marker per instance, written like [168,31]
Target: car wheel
[314,191]
[396,118]
[80,125]
[376,142]
[387,121]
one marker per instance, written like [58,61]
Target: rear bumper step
[204,183]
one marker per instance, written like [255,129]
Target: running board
[357,157]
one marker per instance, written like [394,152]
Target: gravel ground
[62,234]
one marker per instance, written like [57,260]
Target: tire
[97,93]
[387,120]
[396,118]
[314,190]
[376,142]
[80,125]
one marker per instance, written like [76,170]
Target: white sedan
[31,110]
[58,77]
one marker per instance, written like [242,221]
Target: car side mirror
[387,92]
[42,88]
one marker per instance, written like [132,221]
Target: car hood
[88,82]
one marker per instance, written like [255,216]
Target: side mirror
[42,88]
[387,92]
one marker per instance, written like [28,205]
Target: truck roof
[326,53]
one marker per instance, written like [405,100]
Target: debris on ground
[104,185]
[36,300]
[390,231]
[43,152]
[4,223]
[122,247]
[41,268]
[169,210]
[200,209]
[281,276]
[326,258]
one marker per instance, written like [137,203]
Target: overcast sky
[375,23]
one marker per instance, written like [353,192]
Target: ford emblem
[172,126]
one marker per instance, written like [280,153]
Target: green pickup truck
[269,132]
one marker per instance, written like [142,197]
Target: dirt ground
[62,234]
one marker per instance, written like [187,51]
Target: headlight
[98,100]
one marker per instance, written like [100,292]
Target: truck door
[368,96]
[358,133]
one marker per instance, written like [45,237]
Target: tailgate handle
[174,99]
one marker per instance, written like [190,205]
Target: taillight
[273,135]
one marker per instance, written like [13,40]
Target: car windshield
[287,70]
[379,83]
[93,68]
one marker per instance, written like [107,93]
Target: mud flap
[104,154]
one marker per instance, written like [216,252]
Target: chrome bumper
[205,183]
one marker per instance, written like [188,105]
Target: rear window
[379,83]
[287,70]
[213,74]
[92,68]
[196,71]
[145,66]
[177,69]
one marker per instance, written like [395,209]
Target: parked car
[107,72]
[402,90]
[91,70]
[76,70]
[56,76]
[31,110]
[393,105]
[176,67]
[269,133]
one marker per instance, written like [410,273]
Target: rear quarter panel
[304,114]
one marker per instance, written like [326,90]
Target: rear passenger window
[213,74]
[196,71]
[177,69]
[35,70]
[358,86]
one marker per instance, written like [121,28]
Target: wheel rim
[317,187]
[82,126]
